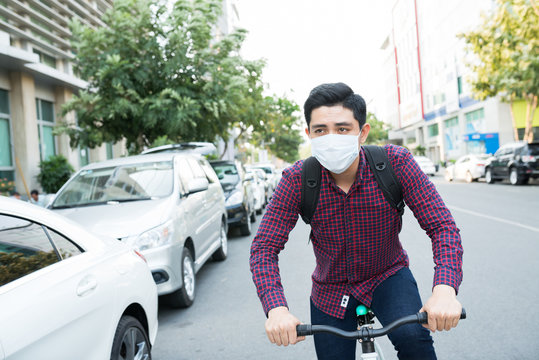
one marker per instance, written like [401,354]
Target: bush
[54,172]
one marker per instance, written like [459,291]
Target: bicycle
[365,333]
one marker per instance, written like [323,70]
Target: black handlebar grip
[422,317]
[304,330]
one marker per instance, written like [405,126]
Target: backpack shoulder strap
[385,176]
[311,176]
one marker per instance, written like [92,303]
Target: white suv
[169,206]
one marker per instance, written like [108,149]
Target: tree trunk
[529,119]
[515,130]
[529,100]
[224,150]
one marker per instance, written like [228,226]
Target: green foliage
[53,173]
[420,150]
[378,132]
[6,186]
[506,46]
[158,75]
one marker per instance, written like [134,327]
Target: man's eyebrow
[343,123]
[318,126]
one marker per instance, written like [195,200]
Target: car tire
[259,211]
[130,340]
[515,178]
[488,176]
[185,296]
[469,177]
[253,216]
[246,229]
[221,253]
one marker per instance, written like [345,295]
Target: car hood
[120,220]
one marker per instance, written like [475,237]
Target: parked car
[239,194]
[202,148]
[68,294]
[268,189]
[468,167]
[271,174]
[518,162]
[259,189]
[169,206]
[426,165]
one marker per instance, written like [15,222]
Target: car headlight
[158,236]
[235,198]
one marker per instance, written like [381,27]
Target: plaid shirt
[354,235]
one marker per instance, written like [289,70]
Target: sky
[309,42]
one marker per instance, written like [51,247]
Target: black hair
[34,192]
[335,94]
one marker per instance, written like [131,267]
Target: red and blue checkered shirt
[354,235]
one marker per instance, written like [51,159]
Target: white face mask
[335,152]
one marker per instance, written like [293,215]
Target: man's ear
[364,133]
[307,131]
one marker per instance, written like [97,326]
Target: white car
[469,167]
[426,165]
[69,294]
[259,189]
[169,206]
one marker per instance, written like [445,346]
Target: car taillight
[141,256]
[528,158]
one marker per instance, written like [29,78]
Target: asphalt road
[500,230]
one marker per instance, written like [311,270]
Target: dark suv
[515,161]
[240,200]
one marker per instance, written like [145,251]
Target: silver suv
[168,206]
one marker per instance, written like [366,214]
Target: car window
[117,183]
[24,248]
[533,149]
[186,174]
[227,173]
[197,170]
[208,170]
[65,247]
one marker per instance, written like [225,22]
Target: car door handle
[87,285]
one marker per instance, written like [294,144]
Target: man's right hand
[281,327]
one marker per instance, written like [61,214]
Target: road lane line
[451,207]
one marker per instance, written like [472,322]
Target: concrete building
[427,99]
[36,78]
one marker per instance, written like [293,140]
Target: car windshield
[122,183]
[227,173]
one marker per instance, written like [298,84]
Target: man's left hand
[443,309]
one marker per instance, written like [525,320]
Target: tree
[279,129]
[154,73]
[507,49]
[379,130]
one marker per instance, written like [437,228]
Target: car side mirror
[248,177]
[197,185]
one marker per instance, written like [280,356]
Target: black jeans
[396,297]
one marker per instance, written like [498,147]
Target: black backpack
[311,175]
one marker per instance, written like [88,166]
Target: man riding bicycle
[354,232]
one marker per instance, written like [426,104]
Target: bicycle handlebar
[365,332]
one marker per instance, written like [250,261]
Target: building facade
[36,79]
[431,104]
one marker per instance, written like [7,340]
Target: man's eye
[343,129]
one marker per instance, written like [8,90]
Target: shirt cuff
[447,276]
[272,300]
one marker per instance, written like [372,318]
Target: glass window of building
[6,159]
[45,123]
[475,121]
[433,130]
[110,153]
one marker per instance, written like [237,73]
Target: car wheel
[185,296]
[130,341]
[245,229]
[515,178]
[469,177]
[221,253]
[448,176]
[488,176]
[253,216]
[259,211]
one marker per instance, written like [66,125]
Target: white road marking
[514,223]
